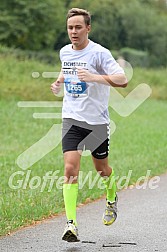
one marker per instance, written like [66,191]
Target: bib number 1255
[75,87]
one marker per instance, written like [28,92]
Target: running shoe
[110,213]
[71,232]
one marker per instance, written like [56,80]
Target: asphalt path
[141,226]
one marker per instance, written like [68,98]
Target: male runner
[88,71]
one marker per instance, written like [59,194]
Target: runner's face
[78,32]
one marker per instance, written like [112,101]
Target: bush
[50,57]
[115,54]
[135,57]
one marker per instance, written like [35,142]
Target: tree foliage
[30,24]
[38,25]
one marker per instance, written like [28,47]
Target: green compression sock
[70,193]
[110,185]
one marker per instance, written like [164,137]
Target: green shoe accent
[110,213]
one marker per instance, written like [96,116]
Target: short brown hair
[80,12]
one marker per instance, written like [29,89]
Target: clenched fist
[56,87]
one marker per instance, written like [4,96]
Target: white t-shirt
[82,101]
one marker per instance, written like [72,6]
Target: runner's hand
[56,87]
[85,75]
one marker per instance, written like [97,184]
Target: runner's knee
[71,172]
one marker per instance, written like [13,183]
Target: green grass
[16,80]
[155,78]
[138,144]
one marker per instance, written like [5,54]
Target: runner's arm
[56,85]
[114,80]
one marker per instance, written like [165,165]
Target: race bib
[75,87]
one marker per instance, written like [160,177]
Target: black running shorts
[81,136]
